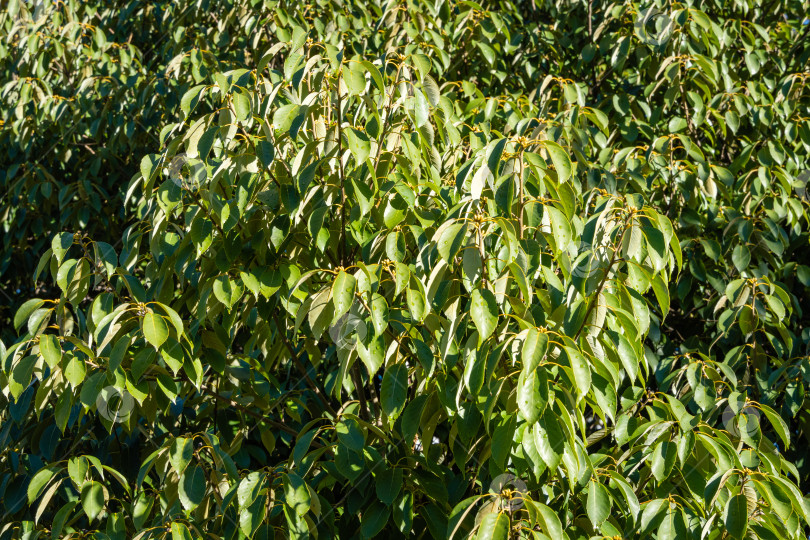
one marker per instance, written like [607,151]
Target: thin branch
[319,392]
[358,385]
[278,425]
[388,114]
[342,246]
[604,279]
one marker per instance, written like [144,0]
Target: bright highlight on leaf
[484,313]
[155,329]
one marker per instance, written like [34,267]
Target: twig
[358,385]
[242,408]
[604,279]
[342,246]
[319,392]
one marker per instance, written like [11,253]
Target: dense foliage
[431,269]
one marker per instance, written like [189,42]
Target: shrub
[436,270]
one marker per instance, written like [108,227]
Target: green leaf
[251,518]
[735,516]
[92,388]
[672,527]
[75,371]
[532,394]
[354,77]
[598,504]
[661,294]
[202,234]
[25,311]
[475,371]
[535,347]
[581,369]
[376,76]
[403,513]
[394,390]
[779,425]
[395,246]
[676,124]
[241,104]
[94,498]
[733,121]
[494,154]
[180,453]
[77,470]
[402,276]
[373,519]
[549,521]
[484,313]
[494,526]
[632,242]
[372,353]
[487,51]
[251,281]
[431,90]
[394,211]
[741,257]
[350,435]
[180,531]
[560,159]
[388,484]
[296,493]
[249,488]
[451,240]
[416,303]
[652,515]
[359,144]
[21,375]
[106,254]
[343,293]
[191,98]
[227,290]
[38,483]
[320,315]
[421,109]
[502,440]
[284,116]
[549,438]
[61,244]
[266,152]
[192,487]
[268,440]
[663,458]
[560,228]
[64,406]
[155,329]
[379,313]
[479,181]
[148,169]
[747,320]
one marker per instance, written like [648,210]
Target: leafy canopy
[419,269]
